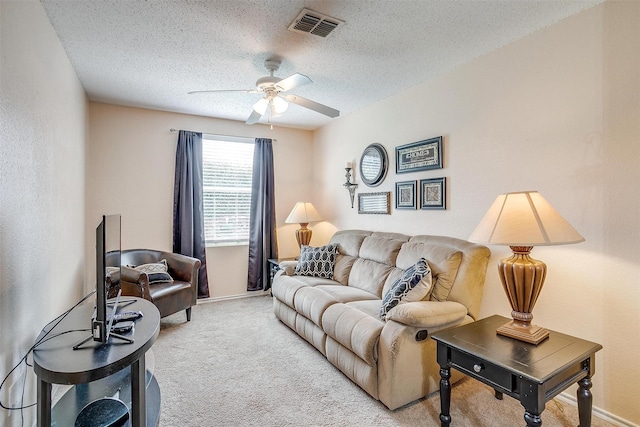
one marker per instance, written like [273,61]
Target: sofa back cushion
[349,242]
[369,276]
[376,259]
[443,261]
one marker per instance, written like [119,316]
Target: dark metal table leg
[44,404]
[138,396]
[445,396]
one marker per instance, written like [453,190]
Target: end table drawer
[482,370]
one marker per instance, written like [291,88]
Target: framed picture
[406,195]
[419,156]
[433,193]
[374,203]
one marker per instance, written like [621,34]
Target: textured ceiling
[151,53]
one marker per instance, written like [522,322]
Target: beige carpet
[235,364]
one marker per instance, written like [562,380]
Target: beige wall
[130,170]
[42,133]
[557,112]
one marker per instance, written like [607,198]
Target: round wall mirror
[373,165]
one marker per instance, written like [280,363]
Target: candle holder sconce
[350,186]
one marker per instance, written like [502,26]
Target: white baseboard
[597,412]
[231,297]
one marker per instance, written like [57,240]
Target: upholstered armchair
[168,280]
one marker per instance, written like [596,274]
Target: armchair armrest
[134,283]
[182,267]
[432,315]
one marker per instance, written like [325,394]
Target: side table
[533,374]
[55,361]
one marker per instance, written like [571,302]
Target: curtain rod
[222,136]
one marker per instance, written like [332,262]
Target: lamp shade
[524,219]
[303,213]
[260,107]
[279,105]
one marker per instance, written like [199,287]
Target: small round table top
[55,360]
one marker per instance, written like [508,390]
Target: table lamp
[303,213]
[523,220]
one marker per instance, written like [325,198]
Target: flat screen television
[108,256]
[108,236]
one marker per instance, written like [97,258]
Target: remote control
[122,327]
[127,315]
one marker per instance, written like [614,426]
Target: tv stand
[56,362]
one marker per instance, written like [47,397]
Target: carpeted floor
[236,364]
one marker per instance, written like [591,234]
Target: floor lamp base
[524,332]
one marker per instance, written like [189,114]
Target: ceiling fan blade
[224,90]
[292,82]
[312,105]
[253,118]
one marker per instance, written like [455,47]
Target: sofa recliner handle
[422,335]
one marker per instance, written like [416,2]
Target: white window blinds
[227,172]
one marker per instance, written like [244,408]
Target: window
[227,171]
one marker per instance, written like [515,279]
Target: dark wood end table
[533,374]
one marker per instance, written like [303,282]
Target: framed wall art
[374,203]
[406,195]
[419,156]
[433,193]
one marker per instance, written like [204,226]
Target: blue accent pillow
[414,284]
[317,262]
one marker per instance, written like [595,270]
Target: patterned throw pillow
[413,285]
[157,272]
[317,262]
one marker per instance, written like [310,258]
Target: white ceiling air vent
[311,22]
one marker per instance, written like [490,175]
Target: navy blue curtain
[262,229]
[188,207]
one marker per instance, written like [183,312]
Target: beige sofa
[393,360]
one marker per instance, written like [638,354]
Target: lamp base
[303,235]
[522,278]
[523,331]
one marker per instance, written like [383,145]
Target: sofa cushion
[370,307]
[317,262]
[444,263]
[412,286]
[347,293]
[354,329]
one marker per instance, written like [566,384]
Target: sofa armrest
[428,314]
[134,283]
[288,267]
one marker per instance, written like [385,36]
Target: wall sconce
[349,185]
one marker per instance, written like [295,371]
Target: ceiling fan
[274,102]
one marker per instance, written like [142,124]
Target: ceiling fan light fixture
[260,107]
[280,105]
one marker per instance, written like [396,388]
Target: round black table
[55,360]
